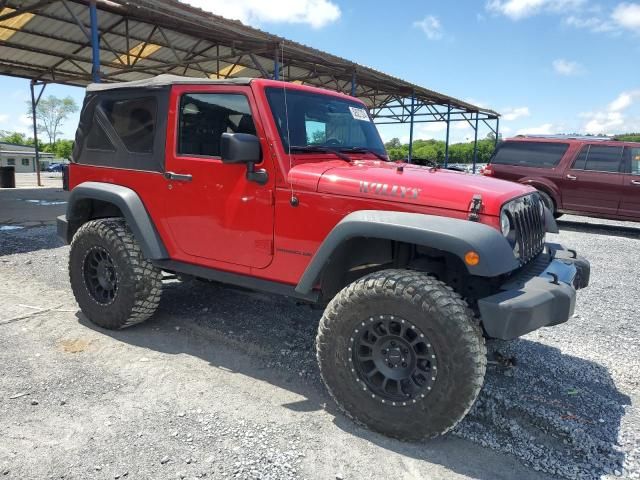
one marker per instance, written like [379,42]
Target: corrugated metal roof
[51,46]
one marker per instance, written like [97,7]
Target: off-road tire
[139,282]
[549,203]
[445,319]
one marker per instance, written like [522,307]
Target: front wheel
[400,352]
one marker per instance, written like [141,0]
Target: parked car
[287,189]
[55,167]
[592,176]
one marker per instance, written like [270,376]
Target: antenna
[293,200]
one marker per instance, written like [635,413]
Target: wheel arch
[389,230]
[544,185]
[92,200]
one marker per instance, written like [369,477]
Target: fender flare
[131,206]
[447,234]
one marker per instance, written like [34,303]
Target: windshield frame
[371,139]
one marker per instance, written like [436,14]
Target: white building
[23,157]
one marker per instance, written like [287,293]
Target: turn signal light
[472,258]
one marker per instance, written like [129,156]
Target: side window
[530,154]
[204,117]
[11,162]
[633,153]
[603,159]
[133,120]
[25,162]
[581,160]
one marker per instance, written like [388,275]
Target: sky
[548,66]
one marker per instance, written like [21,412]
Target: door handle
[635,182]
[571,177]
[179,177]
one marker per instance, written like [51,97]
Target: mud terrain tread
[143,299]
[430,296]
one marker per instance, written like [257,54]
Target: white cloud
[316,13]
[544,129]
[431,27]
[510,114]
[519,9]
[25,120]
[627,15]
[4,117]
[614,118]
[594,24]
[567,67]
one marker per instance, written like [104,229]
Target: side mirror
[243,148]
[239,148]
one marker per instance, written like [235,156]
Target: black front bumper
[541,295]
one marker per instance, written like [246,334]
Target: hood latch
[474,208]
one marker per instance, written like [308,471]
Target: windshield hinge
[474,208]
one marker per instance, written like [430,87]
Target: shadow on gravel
[18,239]
[556,413]
[600,229]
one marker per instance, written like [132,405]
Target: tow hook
[475,207]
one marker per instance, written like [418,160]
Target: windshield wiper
[364,150]
[319,148]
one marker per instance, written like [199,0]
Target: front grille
[528,224]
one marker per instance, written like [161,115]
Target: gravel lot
[223,384]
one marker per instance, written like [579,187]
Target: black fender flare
[447,234]
[131,206]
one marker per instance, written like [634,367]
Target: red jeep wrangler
[287,189]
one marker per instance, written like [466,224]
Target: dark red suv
[593,176]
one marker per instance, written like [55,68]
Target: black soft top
[166,80]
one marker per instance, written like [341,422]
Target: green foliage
[51,113]
[434,151]
[15,138]
[628,137]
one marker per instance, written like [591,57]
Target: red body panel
[582,192]
[221,220]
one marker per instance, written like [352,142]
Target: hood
[405,183]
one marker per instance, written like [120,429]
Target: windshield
[317,120]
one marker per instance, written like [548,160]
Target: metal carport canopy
[76,42]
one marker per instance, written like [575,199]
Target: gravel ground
[224,384]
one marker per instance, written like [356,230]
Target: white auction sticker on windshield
[359,114]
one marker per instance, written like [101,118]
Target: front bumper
[542,295]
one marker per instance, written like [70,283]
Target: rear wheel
[114,285]
[400,352]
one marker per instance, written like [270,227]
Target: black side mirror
[243,148]
[239,148]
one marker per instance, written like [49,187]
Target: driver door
[212,211]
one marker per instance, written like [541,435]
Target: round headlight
[505,224]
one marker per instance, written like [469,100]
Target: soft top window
[530,154]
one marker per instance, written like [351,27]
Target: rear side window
[204,117]
[133,121]
[530,154]
[599,158]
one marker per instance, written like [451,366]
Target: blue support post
[353,84]
[446,144]
[276,66]
[495,145]
[475,145]
[95,42]
[411,128]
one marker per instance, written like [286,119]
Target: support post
[353,83]
[495,145]
[410,156]
[95,42]
[475,145]
[446,144]
[34,104]
[276,66]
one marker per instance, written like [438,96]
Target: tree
[15,138]
[63,149]
[51,112]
